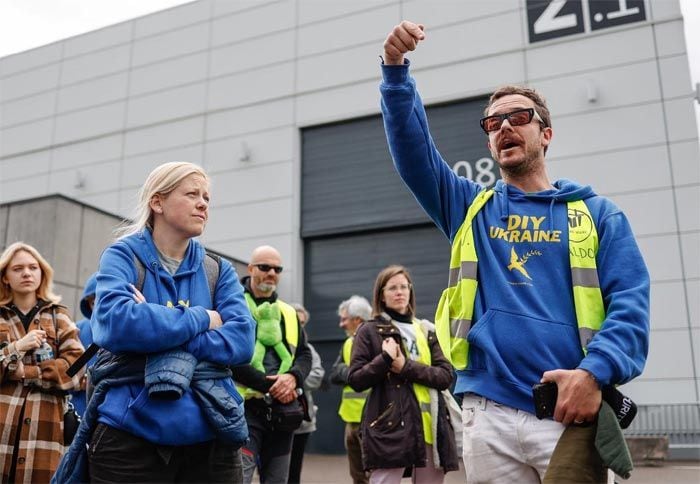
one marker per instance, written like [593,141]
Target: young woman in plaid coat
[38,342]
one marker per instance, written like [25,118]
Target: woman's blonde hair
[378,306]
[161,181]
[45,289]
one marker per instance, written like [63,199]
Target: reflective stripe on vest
[291,335]
[422,392]
[453,318]
[352,402]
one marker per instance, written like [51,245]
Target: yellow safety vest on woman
[291,336]
[455,311]
[352,402]
[421,391]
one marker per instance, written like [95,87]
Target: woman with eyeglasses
[405,423]
[38,342]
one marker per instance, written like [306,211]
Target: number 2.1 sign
[549,19]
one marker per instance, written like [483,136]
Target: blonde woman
[160,308]
[38,342]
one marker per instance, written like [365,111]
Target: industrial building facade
[279,101]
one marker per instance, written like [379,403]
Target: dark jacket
[391,427]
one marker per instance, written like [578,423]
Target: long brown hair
[378,306]
[45,289]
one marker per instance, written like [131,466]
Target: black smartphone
[545,396]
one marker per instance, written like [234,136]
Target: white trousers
[421,475]
[503,444]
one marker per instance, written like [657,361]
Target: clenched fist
[403,38]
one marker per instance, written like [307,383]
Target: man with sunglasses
[270,446]
[547,283]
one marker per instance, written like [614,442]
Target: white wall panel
[170,44]
[695,337]
[348,101]
[89,122]
[98,178]
[346,31]
[608,130]
[25,137]
[241,247]
[135,169]
[610,172]
[439,12]
[685,158]
[254,22]
[258,52]
[688,199]
[670,39]
[224,7]
[23,188]
[258,220]
[162,75]
[155,138]
[29,82]
[100,63]
[664,10]
[24,166]
[166,105]
[171,18]
[331,70]
[475,77]
[679,116]
[98,39]
[249,119]
[675,77]
[252,86]
[649,212]
[590,52]
[108,201]
[693,288]
[85,152]
[28,108]
[457,42]
[614,86]
[264,147]
[93,92]
[664,343]
[660,391]
[254,184]
[30,59]
[311,11]
[661,256]
[691,255]
[668,306]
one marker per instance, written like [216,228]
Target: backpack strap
[212,268]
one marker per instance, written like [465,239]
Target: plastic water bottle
[43,353]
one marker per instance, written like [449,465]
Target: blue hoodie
[175,316]
[78,398]
[524,317]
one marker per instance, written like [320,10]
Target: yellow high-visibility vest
[455,311]
[291,336]
[352,402]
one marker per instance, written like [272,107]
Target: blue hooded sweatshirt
[524,319]
[175,316]
[78,398]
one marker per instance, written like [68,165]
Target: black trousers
[117,456]
[297,458]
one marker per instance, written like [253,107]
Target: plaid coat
[40,395]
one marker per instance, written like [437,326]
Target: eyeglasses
[398,287]
[267,267]
[515,118]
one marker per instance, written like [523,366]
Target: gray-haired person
[352,312]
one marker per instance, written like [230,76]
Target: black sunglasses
[267,267]
[515,118]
